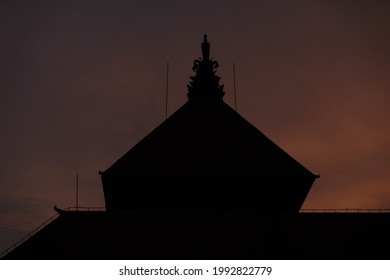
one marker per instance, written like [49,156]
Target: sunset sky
[81,83]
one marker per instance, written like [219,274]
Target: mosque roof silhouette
[206,184]
[206,137]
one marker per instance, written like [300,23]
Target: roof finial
[205,84]
[205,48]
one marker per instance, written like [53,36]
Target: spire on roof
[205,48]
[205,84]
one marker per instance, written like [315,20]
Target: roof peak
[205,48]
[205,84]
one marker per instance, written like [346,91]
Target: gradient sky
[81,83]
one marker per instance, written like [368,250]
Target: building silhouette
[225,164]
[206,184]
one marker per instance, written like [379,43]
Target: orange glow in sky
[82,84]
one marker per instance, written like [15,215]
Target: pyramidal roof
[206,137]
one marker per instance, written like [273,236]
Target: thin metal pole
[166,93]
[234,85]
[77,191]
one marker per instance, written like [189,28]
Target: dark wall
[205,194]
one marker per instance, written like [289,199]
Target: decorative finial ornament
[205,48]
[205,84]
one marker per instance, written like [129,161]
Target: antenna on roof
[166,92]
[234,85]
[77,191]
